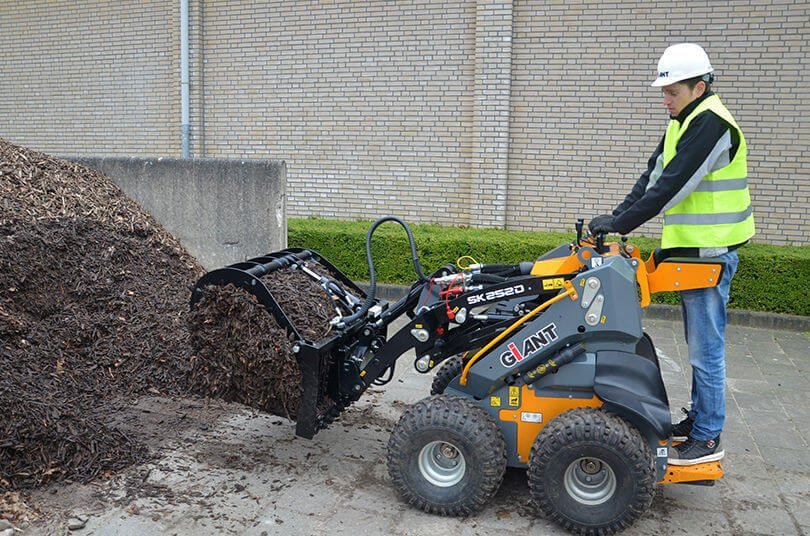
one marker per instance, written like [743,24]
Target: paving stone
[316,499]
[799,506]
[739,353]
[772,428]
[377,497]
[747,479]
[795,459]
[800,417]
[736,437]
[792,343]
[790,479]
[687,497]
[690,521]
[772,365]
[791,380]
[121,526]
[281,521]
[355,522]
[744,372]
[495,519]
[758,519]
[765,400]
[415,522]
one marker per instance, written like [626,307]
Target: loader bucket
[320,361]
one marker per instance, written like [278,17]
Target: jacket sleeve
[641,184]
[704,143]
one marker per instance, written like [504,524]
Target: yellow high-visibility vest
[718,211]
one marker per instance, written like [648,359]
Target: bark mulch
[242,354]
[94,300]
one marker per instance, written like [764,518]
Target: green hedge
[770,278]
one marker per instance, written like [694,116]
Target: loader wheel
[446,456]
[446,373]
[591,472]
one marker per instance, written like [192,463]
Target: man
[697,178]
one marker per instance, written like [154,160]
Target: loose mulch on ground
[94,300]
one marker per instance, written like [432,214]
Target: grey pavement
[246,473]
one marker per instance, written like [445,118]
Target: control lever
[600,243]
[579,225]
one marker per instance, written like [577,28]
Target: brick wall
[585,120]
[93,78]
[369,103]
[517,114]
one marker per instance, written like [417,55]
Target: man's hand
[602,224]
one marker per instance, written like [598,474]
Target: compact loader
[541,365]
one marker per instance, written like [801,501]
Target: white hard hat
[681,62]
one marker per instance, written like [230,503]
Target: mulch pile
[94,311]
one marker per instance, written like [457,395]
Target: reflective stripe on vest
[718,211]
[722,186]
[707,219]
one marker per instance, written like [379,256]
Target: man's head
[684,74]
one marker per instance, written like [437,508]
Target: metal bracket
[595,312]
[592,286]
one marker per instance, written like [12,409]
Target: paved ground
[225,470]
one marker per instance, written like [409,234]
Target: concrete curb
[754,319]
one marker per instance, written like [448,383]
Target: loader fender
[631,386]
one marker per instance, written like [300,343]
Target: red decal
[515,352]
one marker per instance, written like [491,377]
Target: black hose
[563,357]
[372,290]
[487,278]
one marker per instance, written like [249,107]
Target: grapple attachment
[320,359]
[247,275]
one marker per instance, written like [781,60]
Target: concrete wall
[222,211]
[520,114]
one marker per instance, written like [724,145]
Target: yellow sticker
[514,396]
[582,282]
[604,318]
[495,401]
[551,284]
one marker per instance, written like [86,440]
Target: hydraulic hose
[487,278]
[372,291]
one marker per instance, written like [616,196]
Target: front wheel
[446,456]
[591,472]
[447,372]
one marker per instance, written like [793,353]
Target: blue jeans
[704,320]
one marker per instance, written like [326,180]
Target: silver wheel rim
[442,464]
[590,481]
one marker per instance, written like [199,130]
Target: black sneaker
[693,452]
[681,431]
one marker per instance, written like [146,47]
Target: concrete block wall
[521,114]
[222,211]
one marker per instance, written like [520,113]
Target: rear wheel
[591,472]
[446,373]
[446,456]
